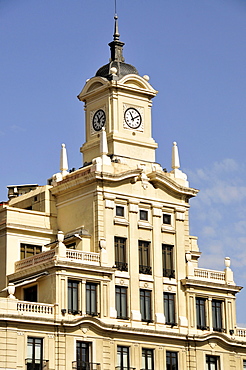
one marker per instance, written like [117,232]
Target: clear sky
[194,52]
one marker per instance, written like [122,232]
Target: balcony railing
[122,266]
[169,273]
[205,274]
[34,307]
[90,258]
[124,368]
[241,332]
[36,364]
[147,270]
[81,365]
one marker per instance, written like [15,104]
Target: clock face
[133,118]
[98,120]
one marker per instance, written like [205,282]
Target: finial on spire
[63,160]
[116,46]
[116,29]
[175,156]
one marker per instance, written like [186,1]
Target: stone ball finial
[146,77]
[113,71]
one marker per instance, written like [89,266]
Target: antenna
[115,8]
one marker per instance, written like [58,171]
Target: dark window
[73,296]
[123,362]
[201,313]
[31,294]
[83,356]
[217,315]
[212,362]
[121,302]
[91,299]
[119,211]
[147,359]
[169,308]
[120,253]
[34,359]
[166,219]
[28,250]
[143,215]
[167,261]
[244,364]
[144,257]
[71,245]
[145,305]
[171,360]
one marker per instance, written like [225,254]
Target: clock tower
[119,100]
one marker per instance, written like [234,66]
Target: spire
[175,156]
[116,46]
[63,160]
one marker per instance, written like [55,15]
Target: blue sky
[193,51]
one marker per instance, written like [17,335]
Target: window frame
[120,253]
[121,295]
[31,291]
[32,344]
[73,296]
[201,313]
[146,305]
[168,261]
[84,353]
[209,362]
[145,358]
[25,253]
[144,251]
[217,315]
[122,208]
[169,308]
[144,215]
[172,360]
[123,354]
[169,216]
[91,291]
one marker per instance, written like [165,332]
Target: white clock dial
[133,118]
[98,120]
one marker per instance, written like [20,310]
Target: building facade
[98,270]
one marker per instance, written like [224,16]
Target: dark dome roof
[123,69]
[116,60]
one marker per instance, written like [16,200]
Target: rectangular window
[121,302]
[145,305]
[83,356]
[34,359]
[119,211]
[91,299]
[169,308]
[167,261]
[171,360]
[31,294]
[143,215]
[212,362]
[201,313]
[217,315]
[123,362]
[120,253]
[244,364]
[147,359]
[166,219]
[73,296]
[28,250]
[144,257]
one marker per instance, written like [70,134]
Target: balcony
[121,266]
[89,258]
[147,270]
[169,273]
[205,274]
[36,364]
[81,365]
